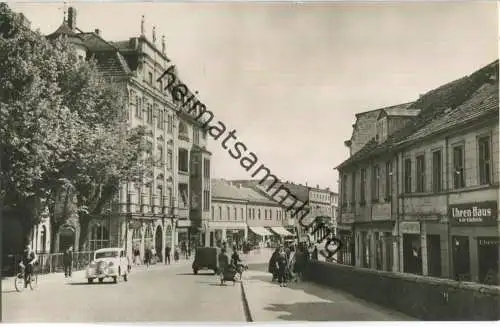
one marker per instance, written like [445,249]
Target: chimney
[97,31]
[72,18]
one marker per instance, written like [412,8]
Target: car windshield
[106,254]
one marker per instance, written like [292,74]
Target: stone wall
[422,297]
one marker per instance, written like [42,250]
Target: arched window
[99,236]
[148,236]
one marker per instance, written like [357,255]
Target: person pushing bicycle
[28,261]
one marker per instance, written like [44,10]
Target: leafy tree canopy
[63,126]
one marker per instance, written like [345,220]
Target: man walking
[68,261]
[167,254]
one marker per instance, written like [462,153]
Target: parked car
[206,258]
[108,263]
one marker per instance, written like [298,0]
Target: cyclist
[28,261]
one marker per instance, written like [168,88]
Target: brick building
[423,198]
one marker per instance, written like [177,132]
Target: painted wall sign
[409,227]
[475,214]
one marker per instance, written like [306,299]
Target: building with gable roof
[172,204]
[422,199]
[242,214]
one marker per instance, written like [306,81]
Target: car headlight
[93,264]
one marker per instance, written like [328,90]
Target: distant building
[242,214]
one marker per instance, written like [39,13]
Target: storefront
[475,241]
[258,235]
[374,243]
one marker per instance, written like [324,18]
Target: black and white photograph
[249,161]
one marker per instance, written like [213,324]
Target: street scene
[250,163]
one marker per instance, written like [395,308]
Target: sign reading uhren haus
[479,213]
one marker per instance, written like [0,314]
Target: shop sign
[475,214]
[183,223]
[409,227]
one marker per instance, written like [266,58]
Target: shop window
[437,185]
[378,251]
[407,174]
[365,248]
[487,248]
[484,146]
[461,258]
[458,167]
[434,255]
[420,187]
[389,256]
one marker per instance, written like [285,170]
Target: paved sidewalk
[306,301]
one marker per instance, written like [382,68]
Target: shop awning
[281,231]
[260,231]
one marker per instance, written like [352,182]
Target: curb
[246,306]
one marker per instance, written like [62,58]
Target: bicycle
[19,280]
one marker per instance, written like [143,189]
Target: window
[258,213]
[169,199]
[138,107]
[99,237]
[235,214]
[484,146]
[353,188]
[183,160]
[151,194]
[375,183]
[458,167]
[169,160]
[150,78]
[436,171]
[265,213]
[170,124]
[160,155]
[206,200]
[407,172]
[213,213]
[206,168]
[228,213]
[196,136]
[249,213]
[149,113]
[388,180]
[344,191]
[420,173]
[160,119]
[220,213]
[363,186]
[183,194]
[270,214]
[149,149]
[241,214]
[253,213]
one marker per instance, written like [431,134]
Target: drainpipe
[447,188]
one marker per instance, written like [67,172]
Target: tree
[63,128]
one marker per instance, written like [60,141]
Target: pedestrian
[291,263]
[176,254]
[147,257]
[184,249]
[299,263]
[272,265]
[137,256]
[68,261]
[281,265]
[167,254]
[314,255]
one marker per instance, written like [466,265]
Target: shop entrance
[434,255]
[487,248]
[412,254]
[461,258]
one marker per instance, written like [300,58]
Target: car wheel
[195,271]
[90,280]
[101,280]
[125,277]
[115,279]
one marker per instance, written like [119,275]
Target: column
[224,234]
[474,260]
[245,232]
[207,237]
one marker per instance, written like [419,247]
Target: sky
[289,78]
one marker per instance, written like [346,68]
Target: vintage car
[108,263]
[206,258]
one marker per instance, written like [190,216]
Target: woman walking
[281,265]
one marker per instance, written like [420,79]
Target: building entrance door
[461,258]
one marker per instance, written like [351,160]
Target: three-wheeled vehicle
[206,258]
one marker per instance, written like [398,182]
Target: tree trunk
[84,228]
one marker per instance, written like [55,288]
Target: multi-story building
[173,201]
[242,214]
[423,198]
